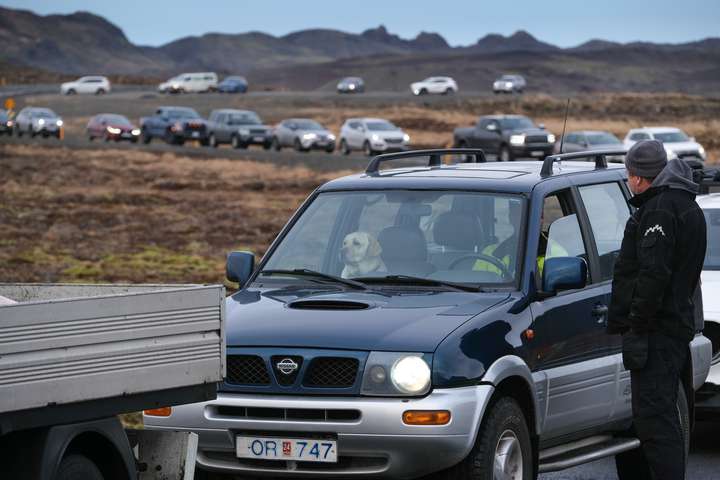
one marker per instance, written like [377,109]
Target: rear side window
[608,213]
[639,136]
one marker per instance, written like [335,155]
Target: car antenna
[562,138]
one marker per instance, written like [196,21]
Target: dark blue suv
[442,319]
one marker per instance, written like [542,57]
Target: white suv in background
[91,84]
[190,83]
[711,282]
[372,135]
[443,85]
[676,142]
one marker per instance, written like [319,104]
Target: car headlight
[351,87]
[551,138]
[517,139]
[406,138]
[113,130]
[309,136]
[375,137]
[701,151]
[508,85]
[331,136]
[396,374]
[176,127]
[135,131]
[244,131]
[670,153]
[41,121]
[59,123]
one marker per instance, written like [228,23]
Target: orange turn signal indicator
[426,417]
[159,412]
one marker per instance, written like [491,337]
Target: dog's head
[359,246]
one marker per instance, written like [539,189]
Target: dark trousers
[656,419]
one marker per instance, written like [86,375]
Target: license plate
[277,448]
[195,134]
[537,153]
[258,139]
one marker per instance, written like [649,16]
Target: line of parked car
[508,137]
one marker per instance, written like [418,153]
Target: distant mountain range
[83,43]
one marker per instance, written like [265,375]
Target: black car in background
[507,136]
[175,125]
[233,84]
[240,128]
[6,123]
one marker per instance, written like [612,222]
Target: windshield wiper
[411,280]
[304,272]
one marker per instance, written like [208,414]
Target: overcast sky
[461,22]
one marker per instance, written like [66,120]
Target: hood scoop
[328,304]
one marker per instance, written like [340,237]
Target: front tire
[100,91]
[367,149]
[344,148]
[212,141]
[71,92]
[146,137]
[298,146]
[75,467]
[505,155]
[502,450]
[276,144]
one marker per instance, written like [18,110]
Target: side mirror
[492,127]
[541,126]
[563,273]
[692,139]
[239,266]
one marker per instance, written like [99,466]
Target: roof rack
[600,157]
[435,155]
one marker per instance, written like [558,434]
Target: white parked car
[91,84]
[711,281]
[190,83]
[443,85]
[509,84]
[677,143]
[38,121]
[372,135]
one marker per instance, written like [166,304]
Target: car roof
[367,119]
[711,200]
[519,177]
[230,110]
[501,116]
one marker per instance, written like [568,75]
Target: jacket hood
[677,174]
[312,318]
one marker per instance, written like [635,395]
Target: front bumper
[539,151]
[389,147]
[376,444]
[256,138]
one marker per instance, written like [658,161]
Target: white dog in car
[361,255]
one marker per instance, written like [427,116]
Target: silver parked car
[509,84]
[38,121]
[240,128]
[590,140]
[303,134]
[372,135]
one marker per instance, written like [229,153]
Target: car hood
[528,131]
[291,317]
[387,133]
[711,294]
[681,146]
[317,132]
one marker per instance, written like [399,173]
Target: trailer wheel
[78,467]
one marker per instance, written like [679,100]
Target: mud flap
[166,455]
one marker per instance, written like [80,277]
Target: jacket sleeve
[656,252]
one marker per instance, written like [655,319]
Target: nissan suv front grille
[247,370]
[332,372]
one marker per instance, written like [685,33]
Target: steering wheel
[504,272]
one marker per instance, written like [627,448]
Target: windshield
[245,118]
[234,80]
[182,113]
[671,137]
[43,113]
[380,126]
[508,78]
[601,138]
[456,237]
[117,119]
[515,123]
[308,125]
[712,255]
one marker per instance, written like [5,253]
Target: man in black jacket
[655,276]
